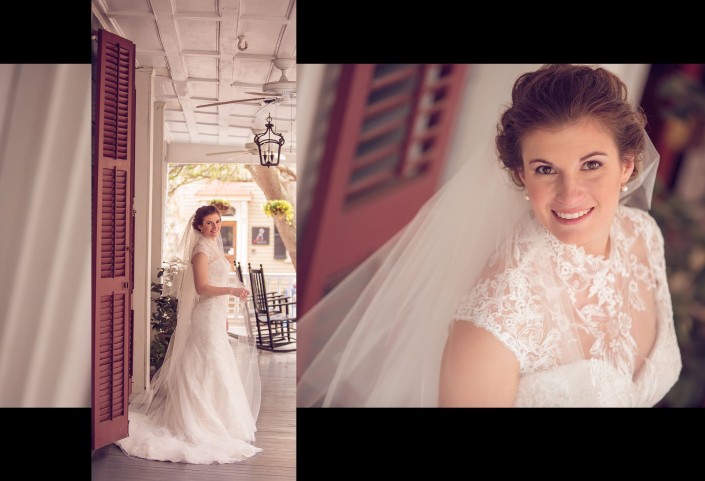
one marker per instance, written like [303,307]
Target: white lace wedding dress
[586,330]
[200,413]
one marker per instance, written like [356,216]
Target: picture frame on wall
[260,236]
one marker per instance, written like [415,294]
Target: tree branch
[287,172]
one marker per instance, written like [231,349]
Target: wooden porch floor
[276,435]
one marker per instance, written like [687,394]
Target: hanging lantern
[269,143]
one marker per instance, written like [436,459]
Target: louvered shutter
[390,128]
[113,158]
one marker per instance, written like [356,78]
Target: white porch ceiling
[194,48]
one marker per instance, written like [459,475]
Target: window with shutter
[389,132]
[113,187]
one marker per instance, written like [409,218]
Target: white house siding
[264,254]
[187,199]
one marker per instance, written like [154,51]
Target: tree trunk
[267,178]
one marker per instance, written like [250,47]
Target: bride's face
[211,225]
[573,177]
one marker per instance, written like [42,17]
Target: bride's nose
[570,190]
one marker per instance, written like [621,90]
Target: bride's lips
[580,218]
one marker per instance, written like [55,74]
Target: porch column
[141,300]
[243,229]
[159,189]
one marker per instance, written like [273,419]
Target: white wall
[488,92]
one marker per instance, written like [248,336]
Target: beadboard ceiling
[194,49]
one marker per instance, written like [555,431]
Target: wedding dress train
[198,410]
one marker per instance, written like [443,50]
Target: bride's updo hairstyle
[201,213]
[556,95]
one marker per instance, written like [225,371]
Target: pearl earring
[625,188]
[526,197]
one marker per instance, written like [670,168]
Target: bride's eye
[544,170]
[592,165]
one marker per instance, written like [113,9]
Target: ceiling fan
[250,148]
[283,90]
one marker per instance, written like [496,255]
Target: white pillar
[159,189]
[142,298]
[243,227]
[313,92]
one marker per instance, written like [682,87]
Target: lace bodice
[572,320]
[218,267]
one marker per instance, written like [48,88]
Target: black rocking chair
[276,328]
[270,295]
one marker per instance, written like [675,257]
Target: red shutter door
[112,236]
[390,128]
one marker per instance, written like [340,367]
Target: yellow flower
[280,208]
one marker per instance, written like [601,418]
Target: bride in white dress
[203,403]
[554,297]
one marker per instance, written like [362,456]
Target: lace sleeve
[503,305]
[203,248]
[656,252]
[645,226]
[655,237]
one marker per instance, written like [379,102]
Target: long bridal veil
[179,283]
[377,338]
